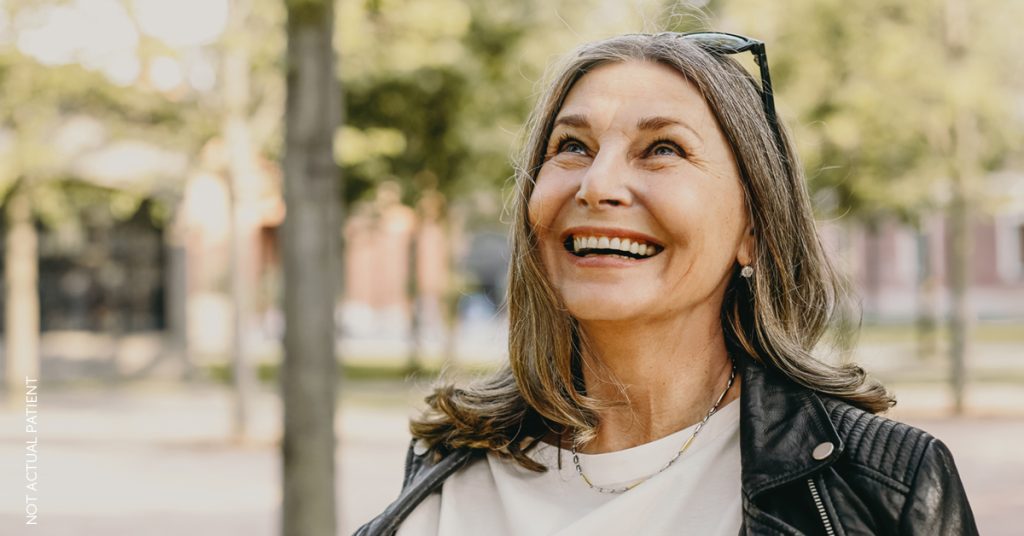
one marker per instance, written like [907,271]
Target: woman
[666,291]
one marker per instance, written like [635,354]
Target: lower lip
[604,261]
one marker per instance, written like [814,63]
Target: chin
[588,306]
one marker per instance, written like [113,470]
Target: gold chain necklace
[686,445]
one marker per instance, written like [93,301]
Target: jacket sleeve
[937,502]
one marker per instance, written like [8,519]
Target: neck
[663,375]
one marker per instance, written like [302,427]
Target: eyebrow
[657,122]
[572,120]
[660,122]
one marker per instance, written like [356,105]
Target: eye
[569,144]
[665,148]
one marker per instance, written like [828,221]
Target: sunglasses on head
[727,43]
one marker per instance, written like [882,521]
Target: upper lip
[610,232]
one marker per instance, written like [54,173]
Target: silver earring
[747,272]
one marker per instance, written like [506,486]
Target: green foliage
[869,91]
[306,12]
[38,103]
[38,100]
[456,79]
[435,91]
[413,67]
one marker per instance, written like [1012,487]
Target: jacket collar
[781,424]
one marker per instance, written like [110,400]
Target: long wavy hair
[776,318]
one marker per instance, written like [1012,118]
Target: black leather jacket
[811,464]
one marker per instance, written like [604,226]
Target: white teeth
[616,243]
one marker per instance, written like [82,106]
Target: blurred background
[141,194]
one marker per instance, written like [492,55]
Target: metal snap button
[420,447]
[823,450]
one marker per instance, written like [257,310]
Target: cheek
[704,220]
[534,210]
[544,208]
[543,205]
[722,229]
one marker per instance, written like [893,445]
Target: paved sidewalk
[155,459]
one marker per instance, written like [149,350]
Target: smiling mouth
[590,245]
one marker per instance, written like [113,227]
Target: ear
[746,251]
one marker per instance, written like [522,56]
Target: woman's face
[638,206]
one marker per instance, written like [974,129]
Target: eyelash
[566,138]
[666,141]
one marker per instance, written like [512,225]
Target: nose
[606,183]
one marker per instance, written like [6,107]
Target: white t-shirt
[698,494]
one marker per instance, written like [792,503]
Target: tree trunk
[873,271]
[414,363]
[962,168]
[243,187]
[176,292]
[960,317]
[21,313]
[456,253]
[849,314]
[927,303]
[309,247]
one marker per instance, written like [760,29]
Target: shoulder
[880,444]
[425,473]
[915,470]
[432,464]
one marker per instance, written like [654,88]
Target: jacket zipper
[821,507]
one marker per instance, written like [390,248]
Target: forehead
[626,90]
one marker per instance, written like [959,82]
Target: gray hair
[777,317]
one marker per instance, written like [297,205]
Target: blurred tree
[21,284]
[310,253]
[867,91]
[50,118]
[417,76]
[964,167]
[879,95]
[436,91]
[243,179]
[246,105]
[244,109]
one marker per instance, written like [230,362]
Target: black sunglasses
[727,43]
